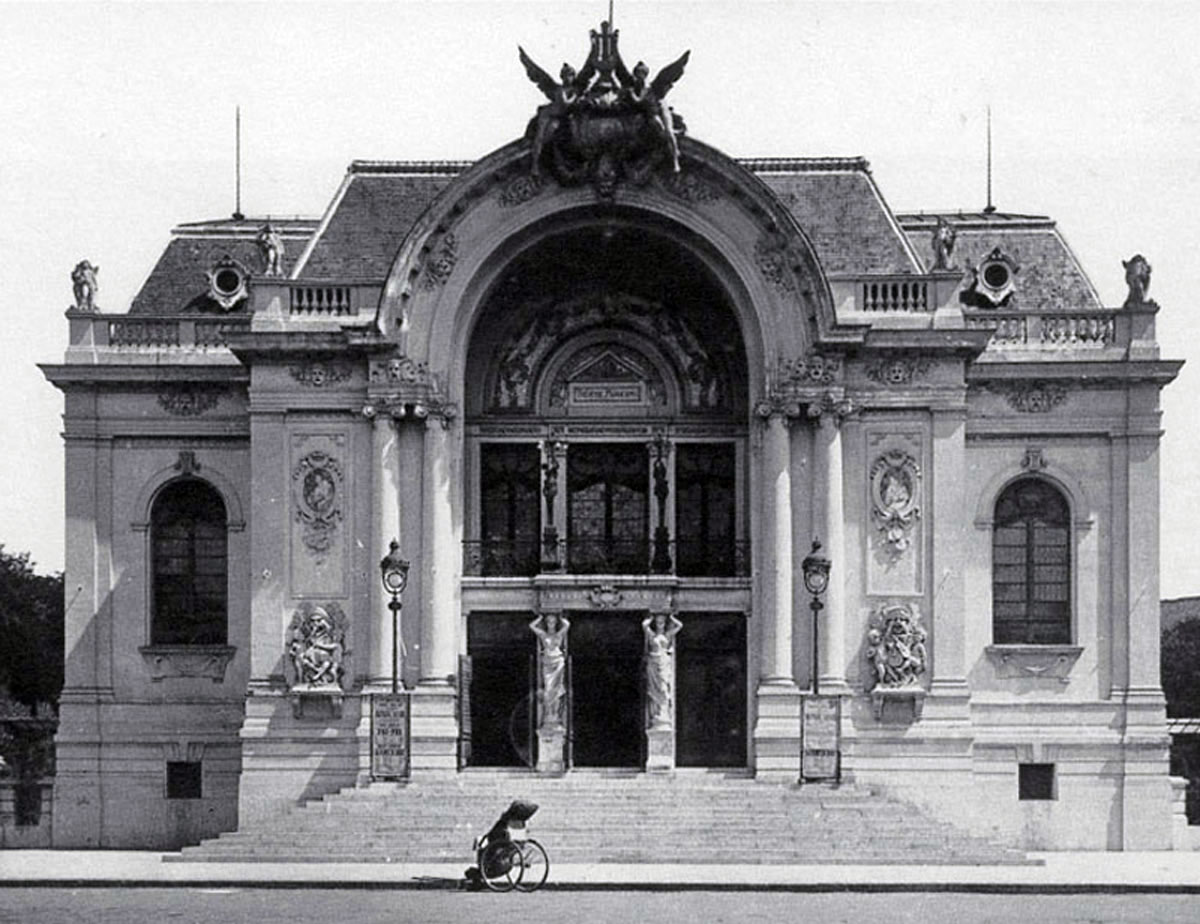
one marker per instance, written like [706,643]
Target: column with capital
[777,725]
[386,526]
[829,519]
[434,722]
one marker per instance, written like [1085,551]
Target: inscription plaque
[819,759]
[389,735]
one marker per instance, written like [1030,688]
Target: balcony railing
[895,294]
[1047,330]
[682,557]
[162,333]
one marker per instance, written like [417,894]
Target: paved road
[322,906]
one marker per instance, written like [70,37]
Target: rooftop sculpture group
[604,122]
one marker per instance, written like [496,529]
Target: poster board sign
[820,756]
[390,756]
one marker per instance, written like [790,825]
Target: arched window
[1031,565]
[189,566]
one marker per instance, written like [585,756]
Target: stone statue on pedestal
[551,630]
[83,279]
[660,630]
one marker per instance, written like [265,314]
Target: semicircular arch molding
[454,255]
[1065,481]
[156,483]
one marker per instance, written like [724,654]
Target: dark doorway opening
[710,702]
[607,726]
[501,650]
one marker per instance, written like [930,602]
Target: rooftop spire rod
[237,208]
[990,208]
[610,12]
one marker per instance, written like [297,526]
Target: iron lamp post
[816,580]
[393,570]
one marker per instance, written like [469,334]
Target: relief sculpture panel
[895,508]
[320,501]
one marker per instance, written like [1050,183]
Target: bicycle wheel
[536,866]
[501,866]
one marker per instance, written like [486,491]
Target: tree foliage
[1181,669]
[31,631]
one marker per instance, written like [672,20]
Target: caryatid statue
[551,630]
[660,630]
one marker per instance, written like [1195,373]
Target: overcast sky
[118,123]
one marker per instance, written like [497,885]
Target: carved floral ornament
[316,647]
[318,374]
[186,400]
[441,261]
[1034,397]
[776,256]
[895,498]
[898,370]
[317,489]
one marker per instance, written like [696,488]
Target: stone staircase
[608,818]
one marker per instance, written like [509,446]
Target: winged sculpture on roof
[604,121]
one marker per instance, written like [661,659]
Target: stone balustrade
[161,332]
[1052,330]
[894,293]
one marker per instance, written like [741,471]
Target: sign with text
[389,735]
[820,756]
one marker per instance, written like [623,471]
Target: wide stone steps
[584,818]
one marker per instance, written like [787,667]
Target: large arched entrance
[605,427]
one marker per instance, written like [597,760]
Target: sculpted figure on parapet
[270,246]
[944,237]
[83,279]
[1137,277]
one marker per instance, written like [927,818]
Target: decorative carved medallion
[895,649]
[520,190]
[690,188]
[775,258]
[317,647]
[1035,397]
[186,401]
[897,370]
[316,484]
[895,497]
[442,261]
[319,374]
[605,596]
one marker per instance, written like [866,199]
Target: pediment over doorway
[607,376]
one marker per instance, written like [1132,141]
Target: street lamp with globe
[394,573]
[816,580]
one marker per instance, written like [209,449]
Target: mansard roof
[1050,275]
[179,282]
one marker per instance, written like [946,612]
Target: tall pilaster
[777,726]
[950,544]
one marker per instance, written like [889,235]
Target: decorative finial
[237,208]
[989,208]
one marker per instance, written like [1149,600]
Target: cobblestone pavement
[324,906]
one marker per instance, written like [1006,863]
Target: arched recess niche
[607,317]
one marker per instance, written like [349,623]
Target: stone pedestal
[660,748]
[550,749]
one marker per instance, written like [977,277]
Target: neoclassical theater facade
[603,388]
